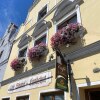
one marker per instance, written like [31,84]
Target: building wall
[83,67]
[6,46]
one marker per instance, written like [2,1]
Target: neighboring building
[29,76]
[6,43]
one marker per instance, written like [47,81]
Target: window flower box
[67,35]
[36,52]
[17,64]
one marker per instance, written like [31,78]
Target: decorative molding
[4,61]
[86,51]
[41,27]
[49,12]
[22,95]
[96,70]
[51,90]
[85,85]
[64,8]
[24,40]
[38,69]
[83,52]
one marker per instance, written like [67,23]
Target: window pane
[6,99]
[42,13]
[23,98]
[47,98]
[1,53]
[59,97]
[43,40]
[22,53]
[71,20]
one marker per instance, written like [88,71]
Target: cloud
[5,15]
[13,11]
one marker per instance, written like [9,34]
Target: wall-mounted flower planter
[67,35]
[36,52]
[17,64]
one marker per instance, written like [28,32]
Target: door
[92,94]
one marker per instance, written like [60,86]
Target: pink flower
[16,64]
[65,36]
[37,51]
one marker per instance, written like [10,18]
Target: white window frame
[42,9]
[6,97]
[26,46]
[52,90]
[40,36]
[70,14]
[22,95]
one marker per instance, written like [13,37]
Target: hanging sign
[62,84]
[39,80]
[61,71]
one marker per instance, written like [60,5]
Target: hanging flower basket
[67,35]
[16,64]
[35,53]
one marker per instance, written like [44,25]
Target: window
[1,54]
[41,39]
[2,42]
[59,95]
[42,13]
[22,52]
[73,19]
[6,99]
[23,98]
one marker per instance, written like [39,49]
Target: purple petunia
[65,36]
[37,51]
[16,64]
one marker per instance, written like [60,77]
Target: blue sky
[13,11]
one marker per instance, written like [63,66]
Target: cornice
[84,52]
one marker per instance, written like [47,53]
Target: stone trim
[83,52]
[33,71]
[24,40]
[41,27]
[86,51]
[64,8]
[4,61]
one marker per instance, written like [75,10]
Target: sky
[13,11]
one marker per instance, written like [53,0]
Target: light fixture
[51,57]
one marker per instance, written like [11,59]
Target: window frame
[20,49]
[1,53]
[8,97]
[69,15]
[51,91]
[46,5]
[27,94]
[40,36]
[2,42]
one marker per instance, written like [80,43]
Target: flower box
[36,52]
[17,64]
[67,35]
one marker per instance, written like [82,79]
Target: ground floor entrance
[92,94]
